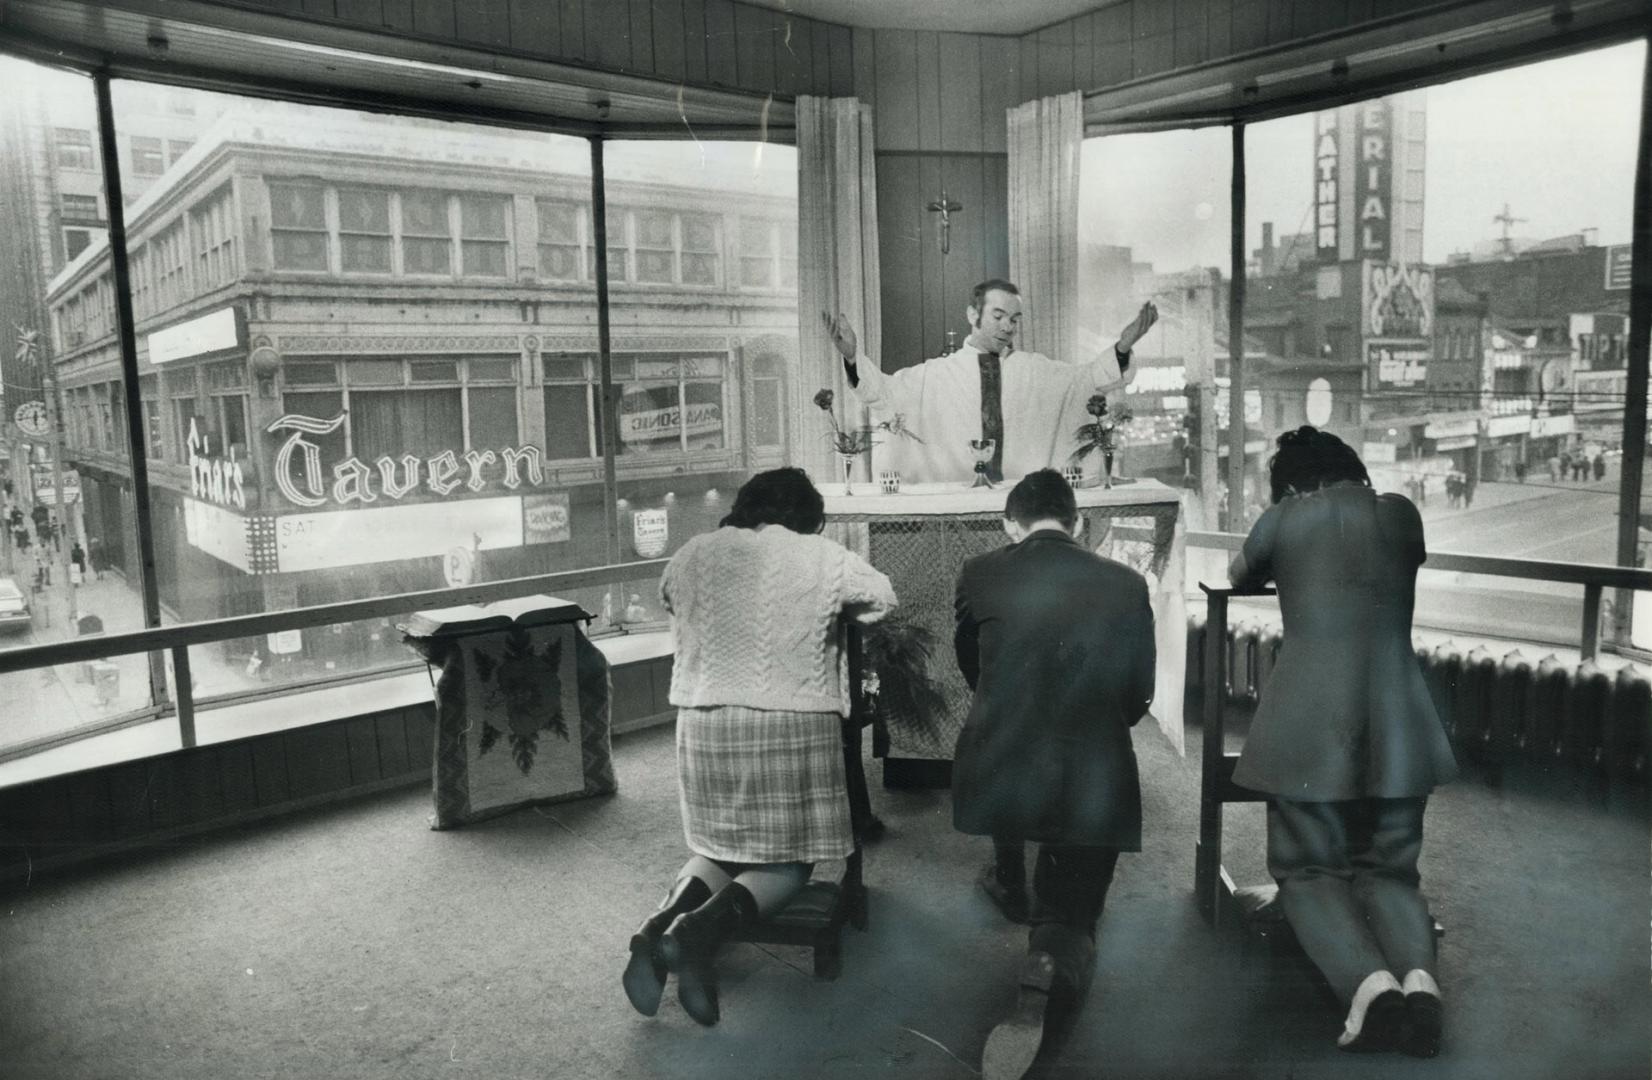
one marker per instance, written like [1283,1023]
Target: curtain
[1045,139]
[837,250]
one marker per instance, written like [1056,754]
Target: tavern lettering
[303,482]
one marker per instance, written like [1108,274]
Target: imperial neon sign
[301,477]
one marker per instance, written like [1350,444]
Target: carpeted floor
[353,942]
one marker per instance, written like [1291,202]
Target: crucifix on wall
[945,206]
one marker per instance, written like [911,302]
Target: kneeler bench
[816,916]
[1221,902]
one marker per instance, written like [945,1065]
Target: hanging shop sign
[1318,403]
[1451,427]
[644,425]
[1456,442]
[1544,427]
[1373,186]
[650,532]
[306,480]
[217,479]
[1617,266]
[1396,365]
[1399,300]
[216,331]
[546,519]
[1325,185]
[320,541]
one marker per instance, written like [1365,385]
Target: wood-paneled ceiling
[964,16]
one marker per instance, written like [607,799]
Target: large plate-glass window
[316,438]
[1459,313]
[1154,225]
[69,563]
[698,377]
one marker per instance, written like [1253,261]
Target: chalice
[983,449]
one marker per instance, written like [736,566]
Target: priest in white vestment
[1027,403]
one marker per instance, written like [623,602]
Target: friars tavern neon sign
[300,476]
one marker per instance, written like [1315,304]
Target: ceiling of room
[964,16]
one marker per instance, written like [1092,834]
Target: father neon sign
[301,478]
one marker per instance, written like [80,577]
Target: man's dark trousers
[1070,883]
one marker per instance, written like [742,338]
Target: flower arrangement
[857,441]
[849,443]
[1101,433]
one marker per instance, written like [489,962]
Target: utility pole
[1236,344]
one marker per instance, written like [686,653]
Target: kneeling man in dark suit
[1057,643]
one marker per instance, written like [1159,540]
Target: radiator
[1498,709]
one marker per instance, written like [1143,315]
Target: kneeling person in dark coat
[1057,644]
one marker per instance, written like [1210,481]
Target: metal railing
[177,640]
[1594,577]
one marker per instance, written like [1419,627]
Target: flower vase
[848,463]
[1107,469]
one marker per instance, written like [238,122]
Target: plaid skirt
[762,785]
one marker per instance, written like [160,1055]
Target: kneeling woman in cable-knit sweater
[761,686]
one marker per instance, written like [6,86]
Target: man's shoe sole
[1013,1045]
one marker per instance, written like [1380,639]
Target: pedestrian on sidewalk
[77,555]
[1600,468]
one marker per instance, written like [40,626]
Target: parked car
[14,606]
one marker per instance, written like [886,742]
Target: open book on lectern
[523,611]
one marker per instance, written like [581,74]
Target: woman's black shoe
[644,977]
[691,943]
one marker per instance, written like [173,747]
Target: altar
[920,538]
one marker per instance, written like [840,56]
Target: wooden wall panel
[965,264]
[999,80]
[1153,55]
[1055,60]
[324,9]
[1281,21]
[960,91]
[995,179]
[932,313]
[843,61]
[573,29]
[754,46]
[1027,66]
[91,821]
[485,22]
[537,28]
[722,67]
[397,15]
[365,12]
[897,89]
[666,23]
[200,796]
[434,18]
[864,54]
[820,49]
[1084,53]
[694,41]
[318,761]
[900,232]
[269,769]
[1250,25]
[238,779]
[642,36]
[392,740]
[361,735]
[928,53]
[1191,33]
[1219,28]
[608,35]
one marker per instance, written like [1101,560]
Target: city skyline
[1510,137]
